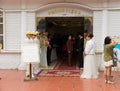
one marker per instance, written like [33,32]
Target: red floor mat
[70,73]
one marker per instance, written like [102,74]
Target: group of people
[86,54]
[90,70]
[73,45]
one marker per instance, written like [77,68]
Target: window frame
[2,23]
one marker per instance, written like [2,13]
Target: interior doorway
[61,27]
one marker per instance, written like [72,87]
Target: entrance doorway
[60,27]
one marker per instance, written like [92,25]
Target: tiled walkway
[13,80]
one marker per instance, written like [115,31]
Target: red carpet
[64,65]
[61,69]
[59,73]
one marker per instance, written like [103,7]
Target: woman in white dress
[43,45]
[90,68]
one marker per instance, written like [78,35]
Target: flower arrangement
[43,40]
[42,37]
[32,33]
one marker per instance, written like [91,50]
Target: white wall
[114,26]
[111,19]
[10,57]
[9,60]
[98,37]
[97,30]
[31,21]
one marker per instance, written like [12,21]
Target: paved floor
[13,80]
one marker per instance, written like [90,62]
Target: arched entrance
[61,22]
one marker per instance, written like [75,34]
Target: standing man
[80,48]
[49,49]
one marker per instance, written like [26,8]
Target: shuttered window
[13,31]
[114,23]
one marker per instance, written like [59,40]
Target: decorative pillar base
[31,79]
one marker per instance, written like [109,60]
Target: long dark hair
[107,40]
[90,35]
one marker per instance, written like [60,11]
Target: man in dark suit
[80,48]
[49,49]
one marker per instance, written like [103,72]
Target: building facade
[15,23]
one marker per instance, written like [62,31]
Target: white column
[23,36]
[104,33]
[104,24]
[23,26]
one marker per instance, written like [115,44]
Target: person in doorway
[69,49]
[109,44]
[43,45]
[80,48]
[90,70]
[49,49]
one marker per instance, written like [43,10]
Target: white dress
[90,67]
[43,55]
